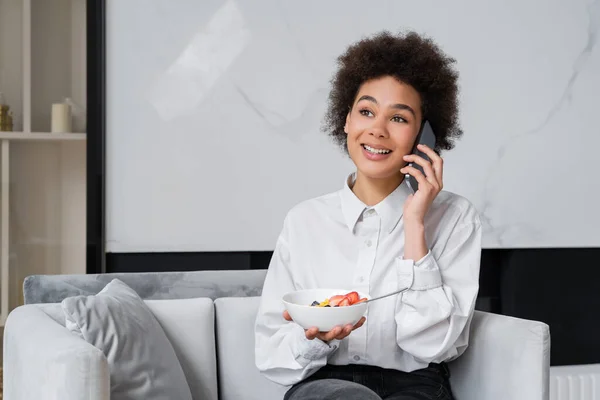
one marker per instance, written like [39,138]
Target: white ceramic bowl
[298,304]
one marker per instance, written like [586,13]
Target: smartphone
[426,137]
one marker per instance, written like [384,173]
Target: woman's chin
[376,169]
[379,172]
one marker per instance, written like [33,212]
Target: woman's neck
[372,191]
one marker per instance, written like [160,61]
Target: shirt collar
[389,209]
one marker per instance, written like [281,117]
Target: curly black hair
[412,59]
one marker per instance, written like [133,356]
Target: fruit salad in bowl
[340,300]
[325,308]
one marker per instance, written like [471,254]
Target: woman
[376,236]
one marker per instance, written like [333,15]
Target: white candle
[61,118]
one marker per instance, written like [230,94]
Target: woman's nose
[379,129]
[378,132]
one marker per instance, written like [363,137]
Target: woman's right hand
[338,332]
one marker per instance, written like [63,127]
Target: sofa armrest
[43,360]
[507,358]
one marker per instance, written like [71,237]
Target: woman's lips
[374,156]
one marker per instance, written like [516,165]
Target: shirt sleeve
[433,316]
[283,354]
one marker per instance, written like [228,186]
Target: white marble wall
[214,110]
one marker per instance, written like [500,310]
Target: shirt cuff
[307,350]
[422,275]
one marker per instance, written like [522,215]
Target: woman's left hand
[430,184]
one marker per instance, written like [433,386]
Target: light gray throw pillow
[142,361]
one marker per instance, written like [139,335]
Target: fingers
[312,333]
[286,316]
[430,174]
[335,333]
[359,323]
[344,332]
[349,328]
[423,182]
[332,334]
[436,161]
[338,332]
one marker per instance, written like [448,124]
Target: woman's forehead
[387,91]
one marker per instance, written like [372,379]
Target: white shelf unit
[43,174]
[41,136]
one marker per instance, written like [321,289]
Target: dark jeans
[364,382]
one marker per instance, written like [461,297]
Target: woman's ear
[346,124]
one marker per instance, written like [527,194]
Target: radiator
[575,382]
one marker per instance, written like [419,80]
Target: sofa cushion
[190,326]
[238,376]
[141,359]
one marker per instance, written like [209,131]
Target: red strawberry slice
[352,297]
[361,300]
[335,300]
[344,302]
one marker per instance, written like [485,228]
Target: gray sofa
[209,317]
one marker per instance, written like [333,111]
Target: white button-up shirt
[337,241]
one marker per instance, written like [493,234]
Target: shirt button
[368,243]
[356,358]
[361,279]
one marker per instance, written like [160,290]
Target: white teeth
[375,151]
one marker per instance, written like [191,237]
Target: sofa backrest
[149,285]
[238,376]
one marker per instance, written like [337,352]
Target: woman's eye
[366,113]
[398,119]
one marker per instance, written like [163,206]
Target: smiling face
[382,127]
